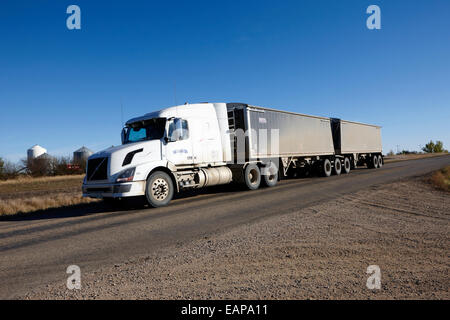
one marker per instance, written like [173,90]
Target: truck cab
[176,141]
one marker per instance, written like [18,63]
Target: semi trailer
[206,144]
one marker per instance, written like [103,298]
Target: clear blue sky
[63,88]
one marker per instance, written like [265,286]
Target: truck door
[207,145]
[179,142]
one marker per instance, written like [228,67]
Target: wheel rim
[272,174]
[253,176]
[160,189]
[327,166]
[347,164]
[338,165]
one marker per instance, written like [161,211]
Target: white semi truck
[206,144]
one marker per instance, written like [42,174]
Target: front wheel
[252,176]
[159,190]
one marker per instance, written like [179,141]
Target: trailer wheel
[380,161]
[270,178]
[159,189]
[252,176]
[347,165]
[337,166]
[373,162]
[326,168]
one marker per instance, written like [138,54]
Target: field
[32,194]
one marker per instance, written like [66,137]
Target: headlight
[126,176]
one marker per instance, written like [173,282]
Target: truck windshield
[151,129]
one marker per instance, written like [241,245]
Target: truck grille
[97,169]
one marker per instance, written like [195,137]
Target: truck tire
[325,168]
[337,166]
[271,178]
[252,176]
[159,189]
[347,165]
[380,161]
[373,162]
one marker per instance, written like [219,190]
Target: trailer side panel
[298,135]
[360,138]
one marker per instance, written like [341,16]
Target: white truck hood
[151,151]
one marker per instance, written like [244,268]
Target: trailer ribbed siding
[360,138]
[298,134]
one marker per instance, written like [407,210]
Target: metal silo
[35,151]
[81,155]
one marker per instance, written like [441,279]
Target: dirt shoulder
[321,252]
[404,157]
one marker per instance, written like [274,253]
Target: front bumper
[114,190]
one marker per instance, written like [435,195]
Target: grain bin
[81,155]
[35,151]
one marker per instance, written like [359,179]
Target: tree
[8,170]
[432,147]
[38,167]
[429,147]
[2,165]
[438,146]
[407,152]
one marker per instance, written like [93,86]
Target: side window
[185,130]
[171,132]
[179,129]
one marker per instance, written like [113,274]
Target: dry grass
[21,179]
[31,204]
[26,194]
[29,184]
[441,179]
[403,157]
